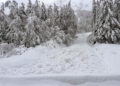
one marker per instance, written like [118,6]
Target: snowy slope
[77,59]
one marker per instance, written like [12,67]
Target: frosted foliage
[36,23]
[15,33]
[106,21]
[59,36]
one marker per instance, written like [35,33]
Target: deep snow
[80,59]
[77,65]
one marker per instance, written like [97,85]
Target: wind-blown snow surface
[80,59]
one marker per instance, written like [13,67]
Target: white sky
[86,4]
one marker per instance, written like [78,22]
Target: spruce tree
[37,9]
[15,34]
[43,12]
[56,16]
[3,26]
[13,9]
[68,20]
[29,7]
[107,28]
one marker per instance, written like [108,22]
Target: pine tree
[107,28]
[23,16]
[50,15]
[56,16]
[37,9]
[36,24]
[31,37]
[68,21]
[3,26]
[13,9]
[29,7]
[15,34]
[117,9]
[43,12]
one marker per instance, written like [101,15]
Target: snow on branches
[106,21]
[36,23]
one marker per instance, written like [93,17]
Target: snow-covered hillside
[78,59]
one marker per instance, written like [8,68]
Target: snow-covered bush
[6,48]
[91,39]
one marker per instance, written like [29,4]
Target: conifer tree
[50,18]
[56,16]
[36,24]
[43,12]
[13,9]
[37,9]
[3,26]
[68,21]
[107,28]
[31,37]
[29,7]
[15,34]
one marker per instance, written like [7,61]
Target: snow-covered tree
[56,16]
[68,20]
[13,6]
[3,26]
[15,34]
[117,9]
[29,7]
[50,16]
[36,24]
[31,37]
[23,16]
[37,9]
[107,26]
[43,12]
[59,35]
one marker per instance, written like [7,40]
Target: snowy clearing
[79,58]
[77,65]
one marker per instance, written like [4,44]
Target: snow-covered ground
[61,81]
[79,59]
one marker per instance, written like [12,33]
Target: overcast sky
[85,4]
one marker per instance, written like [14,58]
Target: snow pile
[79,58]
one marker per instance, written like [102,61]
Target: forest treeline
[37,23]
